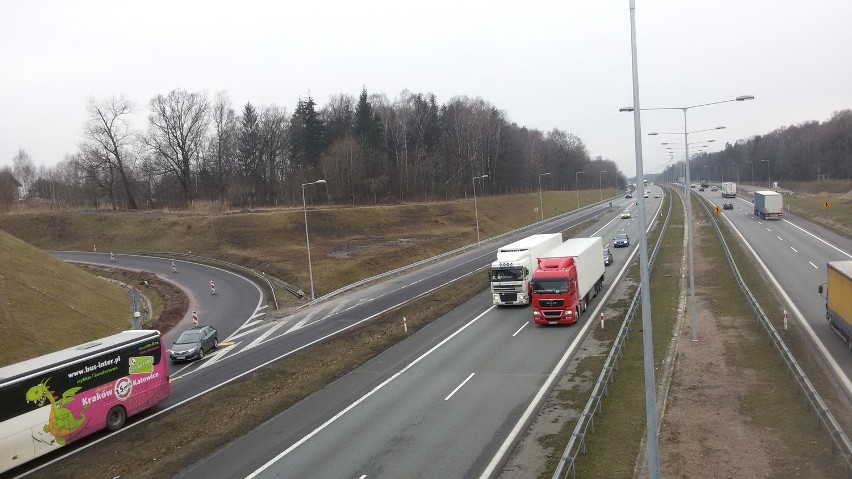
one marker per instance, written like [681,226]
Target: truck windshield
[507,274]
[552,286]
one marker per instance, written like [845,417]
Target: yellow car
[625,214]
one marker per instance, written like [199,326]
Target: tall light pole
[307,236]
[600,183]
[752,171]
[475,208]
[768,173]
[738,172]
[577,185]
[652,442]
[686,133]
[540,198]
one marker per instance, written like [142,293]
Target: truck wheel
[115,418]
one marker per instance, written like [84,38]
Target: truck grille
[507,289]
[551,303]
[508,297]
[552,315]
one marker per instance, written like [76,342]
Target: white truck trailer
[511,273]
[729,190]
[768,205]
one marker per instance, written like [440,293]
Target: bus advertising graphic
[55,399]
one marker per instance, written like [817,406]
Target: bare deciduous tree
[108,131]
[177,127]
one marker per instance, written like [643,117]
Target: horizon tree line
[369,149]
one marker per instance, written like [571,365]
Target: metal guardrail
[586,421]
[839,440]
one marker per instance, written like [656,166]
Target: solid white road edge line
[459,387]
[364,397]
[812,264]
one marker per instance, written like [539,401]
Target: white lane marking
[767,229]
[260,339]
[362,398]
[779,237]
[243,333]
[459,387]
[251,324]
[220,353]
[363,477]
[255,315]
[265,306]
[522,327]
[794,249]
[817,237]
[812,264]
[303,321]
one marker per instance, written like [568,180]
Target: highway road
[796,251]
[260,339]
[443,403]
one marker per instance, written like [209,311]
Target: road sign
[717,209]
[826,205]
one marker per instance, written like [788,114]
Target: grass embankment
[47,305]
[347,243]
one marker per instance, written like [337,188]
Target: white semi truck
[729,190]
[511,273]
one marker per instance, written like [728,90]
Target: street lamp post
[752,171]
[600,183]
[686,133]
[577,185]
[475,208]
[307,236]
[738,171]
[540,198]
[768,173]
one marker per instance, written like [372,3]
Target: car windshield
[507,274]
[550,286]
[188,337]
[621,237]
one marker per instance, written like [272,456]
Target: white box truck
[729,190]
[566,281]
[768,205]
[511,273]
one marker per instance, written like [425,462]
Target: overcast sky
[556,64]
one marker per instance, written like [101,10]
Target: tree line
[809,151]
[369,149]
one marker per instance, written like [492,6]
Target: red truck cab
[555,297]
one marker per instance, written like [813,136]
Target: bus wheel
[116,418]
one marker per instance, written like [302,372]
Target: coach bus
[58,398]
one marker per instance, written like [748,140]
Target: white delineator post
[111,257]
[195,318]
[212,287]
[603,320]
[405,324]
[174,267]
[785,320]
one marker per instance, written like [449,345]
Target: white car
[625,214]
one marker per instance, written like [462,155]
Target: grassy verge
[145,451]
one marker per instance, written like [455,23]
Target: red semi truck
[566,280]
